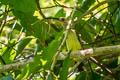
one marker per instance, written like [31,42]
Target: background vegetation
[38,37]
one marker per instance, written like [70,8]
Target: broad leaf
[36,65]
[50,51]
[34,26]
[8,53]
[24,73]
[33,67]
[4,1]
[112,6]
[117,21]
[51,77]
[83,31]
[60,13]
[66,65]
[41,30]
[24,5]
[22,44]
[8,77]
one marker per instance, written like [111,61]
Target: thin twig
[40,11]
[2,26]
[8,45]
[76,65]
[13,27]
[104,68]
[56,6]
[64,39]
[2,60]
[6,12]
[63,6]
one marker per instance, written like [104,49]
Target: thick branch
[81,54]
[94,52]
[14,66]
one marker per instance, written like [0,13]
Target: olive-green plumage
[72,41]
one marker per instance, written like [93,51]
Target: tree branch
[65,36]
[95,52]
[43,15]
[80,54]
[40,11]
[14,66]
[104,68]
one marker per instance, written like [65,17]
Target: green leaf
[24,5]
[79,2]
[67,0]
[26,20]
[72,41]
[117,21]
[90,30]
[66,65]
[112,6]
[17,73]
[33,67]
[22,44]
[51,77]
[39,47]
[4,1]
[82,76]
[95,76]
[24,73]
[8,77]
[36,65]
[50,51]
[34,26]
[86,4]
[118,60]
[83,31]
[113,63]
[60,13]
[8,53]
[18,27]
[77,14]
[41,30]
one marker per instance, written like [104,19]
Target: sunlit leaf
[24,73]
[8,53]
